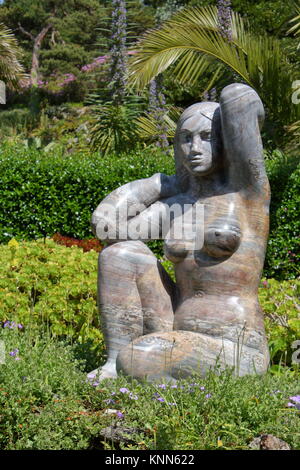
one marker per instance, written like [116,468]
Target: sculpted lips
[196,161]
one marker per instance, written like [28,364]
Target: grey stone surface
[156,328]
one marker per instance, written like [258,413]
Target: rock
[268,442]
[82,111]
[82,128]
[119,434]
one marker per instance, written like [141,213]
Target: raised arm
[242,116]
[128,201]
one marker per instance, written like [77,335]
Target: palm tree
[191,41]
[11,70]
[296,28]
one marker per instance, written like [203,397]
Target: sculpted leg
[179,354]
[134,298]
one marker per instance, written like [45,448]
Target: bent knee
[133,251]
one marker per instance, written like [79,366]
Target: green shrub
[46,193]
[41,194]
[51,285]
[281,306]
[46,403]
[15,121]
[283,251]
[55,286]
[42,394]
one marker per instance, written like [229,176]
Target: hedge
[42,194]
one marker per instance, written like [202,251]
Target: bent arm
[242,115]
[129,200]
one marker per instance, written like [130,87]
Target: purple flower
[133,397]
[295,402]
[174,386]
[224,18]
[17,358]
[296,398]
[96,383]
[91,375]
[208,395]
[162,386]
[124,390]
[118,51]
[20,326]
[157,110]
[14,352]
[109,401]
[172,404]
[120,415]
[10,324]
[161,399]
[202,388]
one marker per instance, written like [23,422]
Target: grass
[46,402]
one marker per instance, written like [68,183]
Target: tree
[192,43]
[49,29]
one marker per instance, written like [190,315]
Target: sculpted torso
[153,327]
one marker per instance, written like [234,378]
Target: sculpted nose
[196,144]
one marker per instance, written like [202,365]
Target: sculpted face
[195,143]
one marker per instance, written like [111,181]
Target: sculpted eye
[186,138]
[205,135]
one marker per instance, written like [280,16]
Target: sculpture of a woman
[153,327]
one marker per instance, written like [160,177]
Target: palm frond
[191,40]
[11,69]
[296,28]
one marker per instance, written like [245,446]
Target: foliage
[54,285]
[42,394]
[14,121]
[281,306]
[42,284]
[296,27]
[283,246]
[11,70]
[73,29]
[47,404]
[115,114]
[216,412]
[42,180]
[87,245]
[114,126]
[55,193]
[192,40]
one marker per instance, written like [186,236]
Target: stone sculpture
[155,328]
